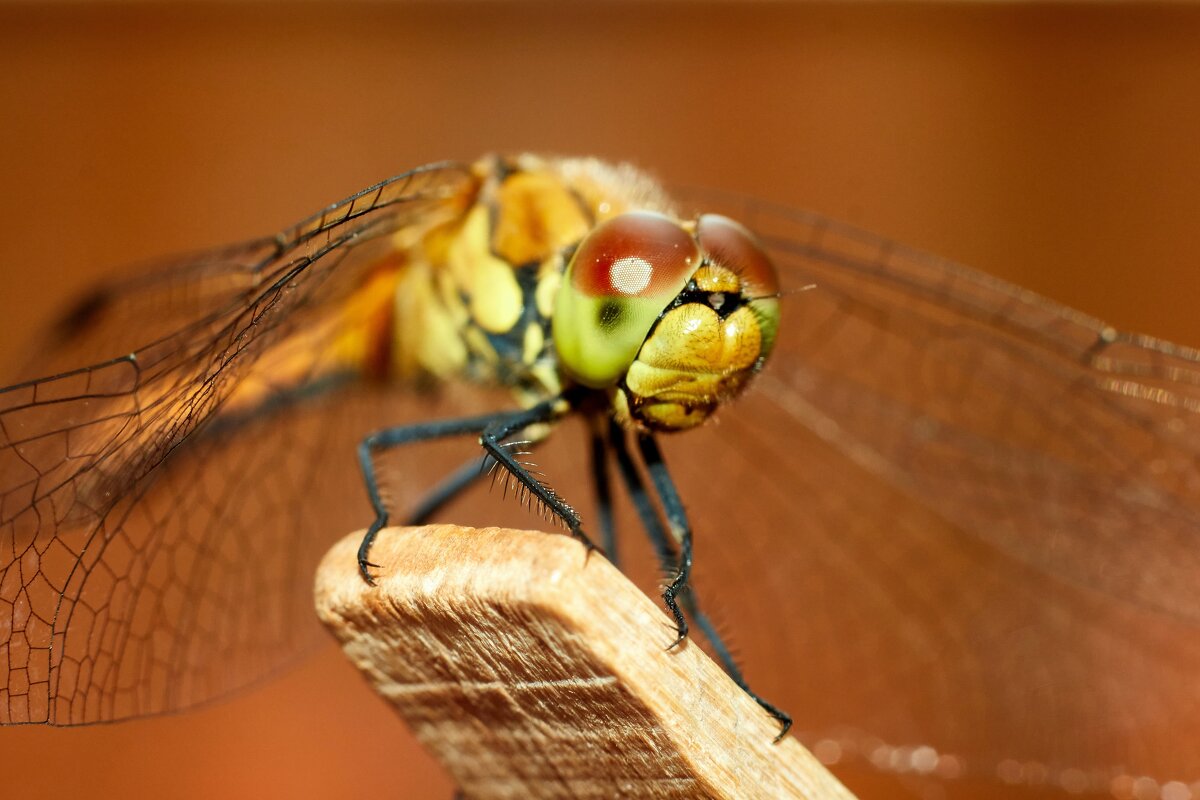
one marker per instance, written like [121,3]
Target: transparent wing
[129,584]
[966,519]
[951,518]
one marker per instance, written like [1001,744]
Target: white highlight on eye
[630,274]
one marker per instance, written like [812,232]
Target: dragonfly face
[672,318]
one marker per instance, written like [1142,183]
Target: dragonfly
[950,525]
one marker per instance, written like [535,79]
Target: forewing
[110,558]
[1057,440]
[966,518]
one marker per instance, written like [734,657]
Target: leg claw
[364,569]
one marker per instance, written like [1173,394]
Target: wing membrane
[86,549]
[950,514]
[975,525]
[1055,438]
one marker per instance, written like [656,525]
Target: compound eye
[639,254]
[729,244]
[622,276]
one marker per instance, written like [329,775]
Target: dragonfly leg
[677,523]
[492,440]
[450,487]
[395,437]
[667,557]
[600,481]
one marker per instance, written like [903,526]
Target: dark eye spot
[724,303]
[609,315]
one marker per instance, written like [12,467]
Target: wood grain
[533,671]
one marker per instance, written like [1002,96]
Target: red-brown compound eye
[639,254]
[730,245]
[621,278]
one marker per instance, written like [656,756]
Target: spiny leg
[492,440]
[409,434]
[677,517]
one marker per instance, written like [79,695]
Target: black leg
[423,431]
[681,530]
[450,487]
[492,440]
[677,523]
[666,553]
[642,503]
[604,508]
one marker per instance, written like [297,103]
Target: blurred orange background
[1055,146]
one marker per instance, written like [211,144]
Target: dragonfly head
[672,318]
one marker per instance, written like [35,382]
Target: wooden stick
[532,671]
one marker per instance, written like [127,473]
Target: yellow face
[671,318]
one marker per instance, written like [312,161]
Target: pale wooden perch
[532,672]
